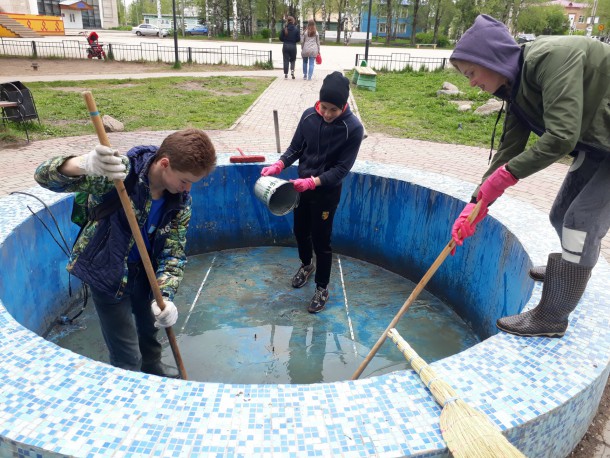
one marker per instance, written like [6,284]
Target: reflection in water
[241,321]
[307,348]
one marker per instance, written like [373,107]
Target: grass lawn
[405,105]
[150,104]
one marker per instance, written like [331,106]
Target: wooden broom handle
[135,231]
[418,289]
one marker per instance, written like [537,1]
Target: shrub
[265,33]
[424,38]
[427,38]
[264,65]
[442,41]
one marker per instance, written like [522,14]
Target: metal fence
[149,52]
[397,62]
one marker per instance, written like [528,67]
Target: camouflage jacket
[99,257]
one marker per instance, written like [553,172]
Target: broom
[244,158]
[135,230]
[467,432]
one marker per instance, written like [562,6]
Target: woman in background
[290,36]
[310,48]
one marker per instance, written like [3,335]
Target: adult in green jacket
[559,89]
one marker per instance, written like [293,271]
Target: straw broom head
[467,432]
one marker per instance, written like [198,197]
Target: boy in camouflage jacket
[105,256]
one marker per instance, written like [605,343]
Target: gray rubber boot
[537,273]
[564,286]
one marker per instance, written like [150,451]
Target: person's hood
[489,43]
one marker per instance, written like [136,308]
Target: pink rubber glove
[495,185]
[273,169]
[304,184]
[462,228]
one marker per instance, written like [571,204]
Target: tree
[543,20]
[557,22]
[323,19]
[341,7]
[414,21]
[532,20]
[267,10]
[439,9]
[352,21]
[235,20]
[467,11]
[122,12]
[603,11]
[448,12]
[388,22]
[379,9]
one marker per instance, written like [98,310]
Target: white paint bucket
[278,195]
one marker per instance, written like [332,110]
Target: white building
[71,13]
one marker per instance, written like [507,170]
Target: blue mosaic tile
[532,389]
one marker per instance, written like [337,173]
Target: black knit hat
[335,89]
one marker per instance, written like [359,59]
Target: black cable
[64,319]
[493,134]
[66,248]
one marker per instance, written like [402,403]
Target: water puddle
[242,322]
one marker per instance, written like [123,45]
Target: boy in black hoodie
[326,144]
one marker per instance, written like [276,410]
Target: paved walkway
[254,132]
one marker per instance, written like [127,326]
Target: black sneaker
[318,302]
[302,275]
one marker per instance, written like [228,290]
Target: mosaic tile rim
[55,402]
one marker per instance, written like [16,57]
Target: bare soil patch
[594,444]
[201,84]
[15,66]
[81,89]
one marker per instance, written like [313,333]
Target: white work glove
[104,161]
[167,317]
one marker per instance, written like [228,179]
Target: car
[197,30]
[525,38]
[149,29]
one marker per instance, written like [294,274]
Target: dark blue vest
[103,262]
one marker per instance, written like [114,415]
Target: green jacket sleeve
[171,261]
[47,175]
[559,78]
